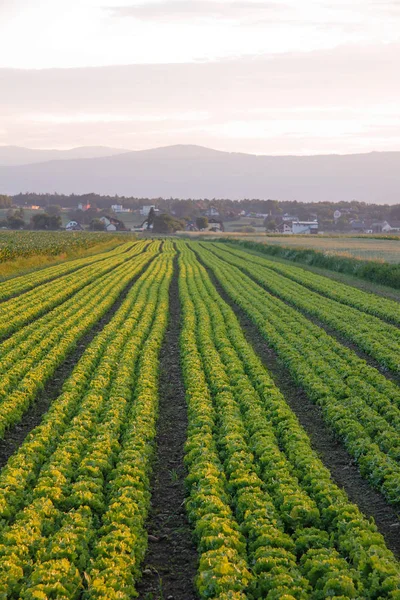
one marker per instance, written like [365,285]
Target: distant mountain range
[16,155]
[197,172]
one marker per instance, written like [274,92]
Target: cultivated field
[364,247]
[187,419]
[367,248]
[22,251]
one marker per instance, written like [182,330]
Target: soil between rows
[171,561]
[335,457]
[16,435]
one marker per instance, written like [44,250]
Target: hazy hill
[197,172]
[16,155]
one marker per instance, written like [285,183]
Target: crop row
[74,498]
[379,339]
[359,403]
[24,283]
[30,357]
[268,520]
[16,312]
[346,294]
[223,569]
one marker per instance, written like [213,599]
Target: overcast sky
[290,77]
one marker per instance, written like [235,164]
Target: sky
[265,77]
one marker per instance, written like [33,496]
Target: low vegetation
[267,517]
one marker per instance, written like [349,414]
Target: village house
[118,208]
[73,226]
[385,227]
[305,227]
[359,226]
[285,227]
[212,212]
[112,224]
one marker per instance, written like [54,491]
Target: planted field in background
[23,251]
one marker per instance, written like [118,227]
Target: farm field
[14,244]
[187,419]
[367,248]
[25,251]
[363,247]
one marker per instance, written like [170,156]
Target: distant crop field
[365,248]
[21,251]
[360,247]
[187,419]
[14,244]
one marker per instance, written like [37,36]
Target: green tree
[5,201]
[201,223]
[44,221]
[150,218]
[53,210]
[167,224]
[184,208]
[97,225]
[15,219]
[15,222]
[342,224]
[269,224]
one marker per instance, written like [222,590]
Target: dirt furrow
[171,561]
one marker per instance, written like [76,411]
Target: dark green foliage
[166,224]
[44,221]
[5,201]
[201,223]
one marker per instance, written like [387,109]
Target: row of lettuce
[377,338]
[360,404]
[74,498]
[30,357]
[268,520]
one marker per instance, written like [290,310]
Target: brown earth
[171,561]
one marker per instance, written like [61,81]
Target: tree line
[188,209]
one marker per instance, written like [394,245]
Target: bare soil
[171,561]
[335,457]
